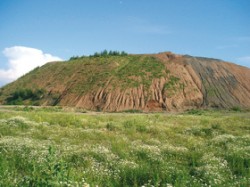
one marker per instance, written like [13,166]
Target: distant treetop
[109,53]
[102,54]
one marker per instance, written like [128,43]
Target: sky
[33,32]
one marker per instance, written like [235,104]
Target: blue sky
[64,28]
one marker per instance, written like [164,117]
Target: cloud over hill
[21,60]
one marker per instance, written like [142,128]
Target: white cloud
[21,60]
[245,61]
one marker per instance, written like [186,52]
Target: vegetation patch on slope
[82,74]
[26,96]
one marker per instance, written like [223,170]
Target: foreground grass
[51,147]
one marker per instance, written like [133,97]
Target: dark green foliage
[96,54]
[236,109]
[123,53]
[132,111]
[21,95]
[74,57]
[110,126]
[195,112]
[105,53]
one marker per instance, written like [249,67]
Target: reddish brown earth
[197,83]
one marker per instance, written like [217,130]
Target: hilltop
[149,82]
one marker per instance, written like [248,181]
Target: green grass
[139,70]
[63,147]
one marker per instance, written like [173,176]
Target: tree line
[103,53]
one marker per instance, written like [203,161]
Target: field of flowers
[54,147]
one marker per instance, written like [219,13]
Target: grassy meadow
[64,147]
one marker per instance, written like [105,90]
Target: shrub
[74,57]
[195,112]
[21,95]
[110,126]
[236,109]
[132,111]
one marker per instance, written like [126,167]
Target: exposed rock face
[223,84]
[185,82]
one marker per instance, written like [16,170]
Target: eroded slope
[157,82]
